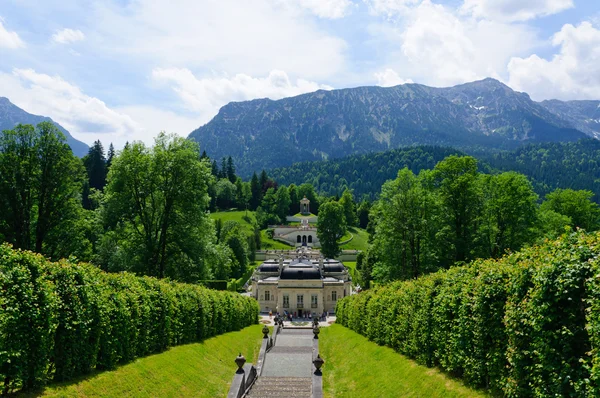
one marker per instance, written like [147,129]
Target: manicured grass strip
[357,367]
[203,369]
[358,242]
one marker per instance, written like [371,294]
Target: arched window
[304,240]
[298,239]
[309,238]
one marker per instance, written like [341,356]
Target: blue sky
[123,70]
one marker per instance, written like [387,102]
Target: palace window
[334,296]
[313,301]
[300,301]
[267,295]
[286,301]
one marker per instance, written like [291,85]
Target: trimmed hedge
[526,325]
[62,320]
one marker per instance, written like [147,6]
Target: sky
[124,70]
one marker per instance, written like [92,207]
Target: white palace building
[301,285]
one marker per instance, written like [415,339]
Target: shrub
[527,325]
[62,320]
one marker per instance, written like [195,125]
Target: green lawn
[356,367]
[360,240]
[267,243]
[351,265]
[236,216]
[203,369]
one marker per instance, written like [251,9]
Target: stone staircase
[286,367]
[281,387]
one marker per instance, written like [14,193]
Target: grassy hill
[239,216]
[356,367]
[194,370]
[360,238]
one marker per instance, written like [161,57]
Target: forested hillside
[262,133]
[549,166]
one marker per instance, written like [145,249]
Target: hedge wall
[527,325]
[61,320]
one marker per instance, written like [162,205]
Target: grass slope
[357,367]
[360,240]
[267,243]
[194,370]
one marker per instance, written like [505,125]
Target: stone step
[284,387]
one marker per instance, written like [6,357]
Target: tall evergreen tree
[256,190]
[110,155]
[294,199]
[223,170]
[264,178]
[231,170]
[95,164]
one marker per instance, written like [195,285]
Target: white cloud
[9,39]
[65,103]
[572,73]
[329,9]
[207,95]
[389,78]
[390,8]
[251,36]
[514,10]
[439,47]
[149,122]
[67,36]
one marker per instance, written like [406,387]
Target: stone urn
[318,362]
[240,361]
[316,331]
[265,331]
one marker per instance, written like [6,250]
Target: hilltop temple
[298,235]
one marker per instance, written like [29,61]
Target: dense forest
[145,209]
[548,165]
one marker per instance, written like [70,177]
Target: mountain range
[11,115]
[264,134]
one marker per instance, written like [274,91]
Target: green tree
[459,189]
[95,164]
[577,205]
[246,195]
[362,213]
[308,190]
[235,238]
[331,226]
[266,213]
[551,224]
[256,190]
[231,170]
[347,202]
[404,234]
[40,185]
[109,156]
[294,199]
[156,199]
[283,202]
[264,178]
[226,193]
[509,212]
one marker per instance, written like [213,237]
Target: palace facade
[301,285]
